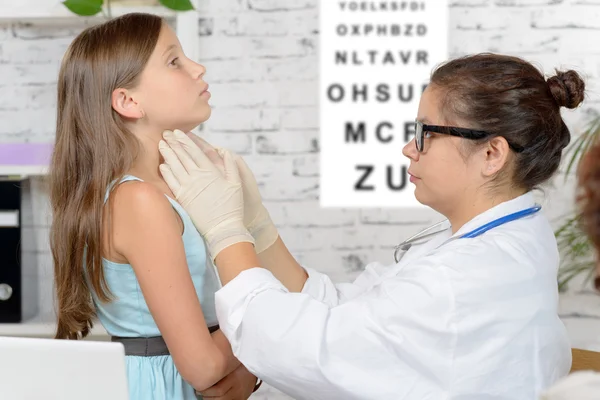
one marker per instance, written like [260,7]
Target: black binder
[18,269]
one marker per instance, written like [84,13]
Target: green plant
[577,252]
[90,8]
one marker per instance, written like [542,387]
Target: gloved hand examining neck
[256,217]
[211,195]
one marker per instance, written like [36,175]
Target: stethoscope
[405,245]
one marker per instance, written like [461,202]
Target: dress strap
[124,179]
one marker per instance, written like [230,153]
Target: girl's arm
[145,230]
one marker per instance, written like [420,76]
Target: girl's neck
[146,164]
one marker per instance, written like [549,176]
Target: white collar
[500,210]
[520,203]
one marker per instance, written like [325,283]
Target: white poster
[375,59]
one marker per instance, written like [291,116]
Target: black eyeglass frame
[471,134]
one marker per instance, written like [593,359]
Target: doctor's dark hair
[93,147]
[508,97]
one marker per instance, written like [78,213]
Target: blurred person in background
[585,385]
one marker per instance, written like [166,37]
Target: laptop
[51,369]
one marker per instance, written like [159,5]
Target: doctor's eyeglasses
[471,134]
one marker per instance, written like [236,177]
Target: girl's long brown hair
[93,148]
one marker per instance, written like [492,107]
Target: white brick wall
[262,62]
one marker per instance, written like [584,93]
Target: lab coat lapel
[418,251]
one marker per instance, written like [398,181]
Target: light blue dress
[156,377]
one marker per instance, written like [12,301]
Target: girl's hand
[238,385]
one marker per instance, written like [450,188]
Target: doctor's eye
[427,134]
[174,61]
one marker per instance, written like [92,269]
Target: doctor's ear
[497,152]
[122,101]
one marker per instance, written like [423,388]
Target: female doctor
[469,314]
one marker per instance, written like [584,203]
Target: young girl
[123,249]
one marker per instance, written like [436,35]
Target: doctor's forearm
[278,259]
[234,259]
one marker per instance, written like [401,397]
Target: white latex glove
[212,196]
[256,217]
[580,385]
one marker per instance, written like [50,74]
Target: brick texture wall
[262,63]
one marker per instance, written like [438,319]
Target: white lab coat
[472,319]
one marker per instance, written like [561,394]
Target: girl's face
[171,93]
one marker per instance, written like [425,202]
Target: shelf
[44,327]
[25,159]
[35,12]
[23,170]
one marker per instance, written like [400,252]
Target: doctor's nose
[410,150]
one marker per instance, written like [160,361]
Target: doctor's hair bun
[567,88]
[509,97]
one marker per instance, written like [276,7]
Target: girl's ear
[123,102]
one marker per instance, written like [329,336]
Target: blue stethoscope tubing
[474,233]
